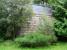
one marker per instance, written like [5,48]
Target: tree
[60,14]
[13,15]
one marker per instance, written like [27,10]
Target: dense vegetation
[60,14]
[35,40]
[14,16]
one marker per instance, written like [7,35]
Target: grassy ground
[12,46]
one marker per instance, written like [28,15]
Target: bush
[35,40]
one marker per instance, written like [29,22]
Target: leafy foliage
[35,40]
[13,15]
[60,14]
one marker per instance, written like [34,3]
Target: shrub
[35,40]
